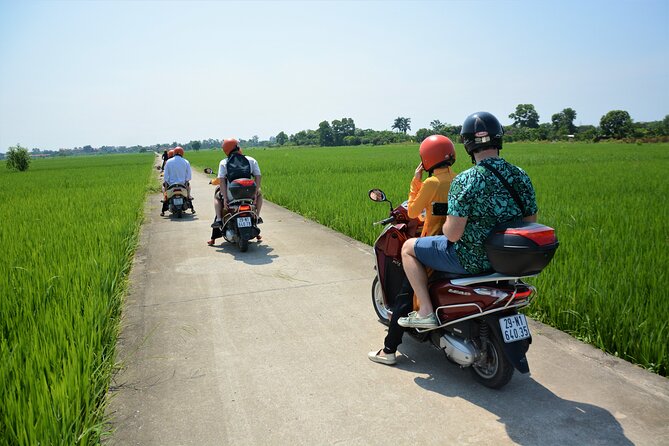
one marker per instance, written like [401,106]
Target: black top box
[521,248]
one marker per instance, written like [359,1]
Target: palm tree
[402,124]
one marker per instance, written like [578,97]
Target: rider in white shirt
[177,171]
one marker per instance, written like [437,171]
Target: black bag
[237,167]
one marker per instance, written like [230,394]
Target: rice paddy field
[70,225]
[607,201]
[68,233]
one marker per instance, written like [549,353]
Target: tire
[493,370]
[180,213]
[377,302]
[243,244]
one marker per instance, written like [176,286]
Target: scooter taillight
[245,182]
[176,190]
[541,235]
[524,294]
[244,207]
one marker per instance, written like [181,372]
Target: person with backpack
[234,166]
[492,192]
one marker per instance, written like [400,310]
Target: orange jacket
[423,194]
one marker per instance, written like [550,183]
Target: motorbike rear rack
[494,277]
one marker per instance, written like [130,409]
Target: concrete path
[269,347]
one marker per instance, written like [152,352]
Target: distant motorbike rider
[165,158]
[177,171]
[235,165]
[437,154]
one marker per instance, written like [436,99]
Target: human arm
[420,193]
[454,227]
[459,208]
[257,179]
[167,173]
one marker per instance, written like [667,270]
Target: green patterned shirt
[479,195]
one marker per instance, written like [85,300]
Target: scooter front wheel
[379,302]
[493,370]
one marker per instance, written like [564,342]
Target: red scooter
[240,223]
[479,323]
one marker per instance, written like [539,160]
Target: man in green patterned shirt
[477,201]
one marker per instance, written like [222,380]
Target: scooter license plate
[244,222]
[178,201]
[514,328]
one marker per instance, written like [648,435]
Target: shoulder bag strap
[512,191]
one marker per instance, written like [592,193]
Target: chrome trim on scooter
[494,277]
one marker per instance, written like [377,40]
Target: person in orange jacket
[437,154]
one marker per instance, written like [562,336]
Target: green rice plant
[68,235]
[607,202]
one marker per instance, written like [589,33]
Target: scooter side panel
[457,301]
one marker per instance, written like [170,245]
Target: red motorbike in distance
[479,323]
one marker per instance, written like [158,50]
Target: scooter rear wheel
[494,370]
[242,243]
[378,302]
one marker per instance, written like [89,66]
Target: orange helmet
[436,151]
[229,145]
[170,154]
[179,151]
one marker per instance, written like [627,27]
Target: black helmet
[480,131]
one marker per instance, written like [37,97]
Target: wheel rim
[488,365]
[378,302]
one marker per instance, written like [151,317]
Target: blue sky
[143,72]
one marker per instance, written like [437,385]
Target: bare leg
[417,276]
[218,207]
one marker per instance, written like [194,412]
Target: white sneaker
[417,321]
[382,358]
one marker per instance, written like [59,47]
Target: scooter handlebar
[385,221]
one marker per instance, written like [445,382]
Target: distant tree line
[343,132]
[616,124]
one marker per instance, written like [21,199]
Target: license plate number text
[244,222]
[514,328]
